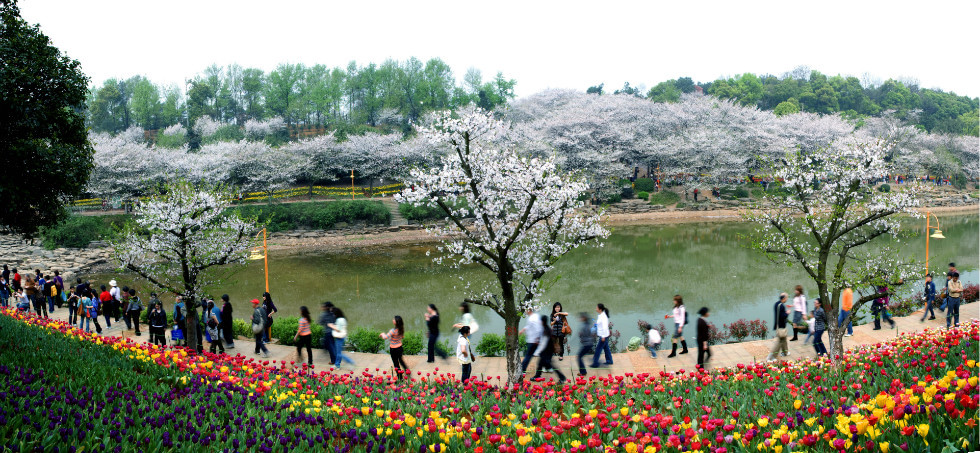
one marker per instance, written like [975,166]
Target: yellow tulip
[884,447]
[763,422]
[923,429]
[797,404]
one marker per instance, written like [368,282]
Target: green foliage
[491,345]
[642,195]
[423,213]
[626,193]
[226,133]
[884,188]
[681,205]
[644,185]
[787,107]
[665,197]
[958,181]
[740,192]
[615,198]
[634,344]
[366,340]
[171,141]
[78,231]
[412,343]
[242,328]
[317,215]
[42,127]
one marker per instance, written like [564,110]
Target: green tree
[42,126]
[281,91]
[595,89]
[108,109]
[145,103]
[628,90]
[787,107]
[172,109]
[664,92]
[253,80]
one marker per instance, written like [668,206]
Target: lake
[635,273]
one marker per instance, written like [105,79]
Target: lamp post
[937,235]
[255,255]
[352,185]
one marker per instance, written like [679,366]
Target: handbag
[566,329]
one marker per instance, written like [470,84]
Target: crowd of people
[546,334]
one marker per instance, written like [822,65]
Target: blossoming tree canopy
[181,237]
[523,208]
[831,211]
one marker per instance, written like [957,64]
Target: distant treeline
[803,90]
[392,94]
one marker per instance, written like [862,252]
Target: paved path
[627,362]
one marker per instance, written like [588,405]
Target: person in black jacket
[703,334]
[327,317]
[157,320]
[779,325]
[227,322]
[546,350]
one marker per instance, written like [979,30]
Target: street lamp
[937,235]
[262,255]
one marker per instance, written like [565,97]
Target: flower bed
[64,388]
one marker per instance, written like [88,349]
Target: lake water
[636,274]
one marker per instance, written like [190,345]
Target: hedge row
[317,215]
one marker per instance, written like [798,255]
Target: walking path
[637,362]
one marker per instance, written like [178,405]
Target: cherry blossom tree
[831,212]
[524,211]
[182,241]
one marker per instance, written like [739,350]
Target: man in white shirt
[532,330]
[464,353]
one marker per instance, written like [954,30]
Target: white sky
[541,44]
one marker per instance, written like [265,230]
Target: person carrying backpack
[133,311]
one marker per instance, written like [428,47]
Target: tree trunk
[511,321]
[191,322]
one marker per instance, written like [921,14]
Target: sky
[541,44]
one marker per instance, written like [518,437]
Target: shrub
[626,193]
[79,230]
[171,141]
[759,329]
[615,198]
[317,215]
[242,328]
[884,188]
[491,345]
[644,185]
[665,197]
[412,343]
[739,330]
[642,195]
[717,336]
[635,343]
[681,205]
[741,193]
[283,329]
[366,340]
[422,213]
[970,292]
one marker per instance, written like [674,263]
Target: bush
[715,335]
[412,343]
[242,328]
[681,205]
[173,141]
[884,188]
[626,193]
[739,330]
[422,213]
[491,345]
[740,192]
[759,329]
[615,198]
[665,197]
[644,185]
[642,195]
[366,340]
[317,215]
[78,231]
[971,292]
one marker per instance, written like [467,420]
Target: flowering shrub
[970,292]
[913,393]
[758,329]
[739,330]
[716,335]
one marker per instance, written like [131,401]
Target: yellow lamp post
[262,255]
[937,235]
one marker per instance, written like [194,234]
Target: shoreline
[419,236]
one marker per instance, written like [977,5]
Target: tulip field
[62,389]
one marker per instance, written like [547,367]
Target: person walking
[133,311]
[180,317]
[653,340]
[929,294]
[846,304]
[880,308]
[799,309]
[32,293]
[326,318]
[703,336]
[59,284]
[954,297]
[157,319]
[114,305]
[4,289]
[467,318]
[680,319]
[819,327]
[602,333]
[105,299]
[50,292]
[781,313]
[464,353]
[558,325]
[395,337]
[270,310]
[73,308]
[258,327]
[304,336]
[532,334]
[213,316]
[89,312]
[585,340]
[546,350]
[227,322]
[431,323]
[339,328]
